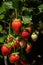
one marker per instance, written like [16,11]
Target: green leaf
[2,39]
[15,3]
[40,7]
[1,28]
[26,19]
[2,8]
[41,24]
[8,0]
[8,5]
[23,0]
[27,9]
[30,9]
[1,56]
[1,16]
[5,6]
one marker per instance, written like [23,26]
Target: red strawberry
[23,62]
[14,58]
[25,35]
[28,48]
[17,44]
[5,50]
[17,24]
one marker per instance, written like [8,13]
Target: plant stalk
[5,60]
[16,13]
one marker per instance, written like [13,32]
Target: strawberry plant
[21,23]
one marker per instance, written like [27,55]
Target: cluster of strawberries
[17,44]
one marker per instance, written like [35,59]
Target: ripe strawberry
[14,58]
[28,48]
[5,50]
[23,62]
[17,24]
[25,35]
[17,44]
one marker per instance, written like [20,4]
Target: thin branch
[5,60]
[16,12]
[5,22]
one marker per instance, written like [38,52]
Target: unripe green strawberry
[34,36]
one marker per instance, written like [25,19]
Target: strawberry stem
[5,22]
[16,13]
[9,25]
[9,28]
[5,60]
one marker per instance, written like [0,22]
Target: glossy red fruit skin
[5,51]
[14,58]
[17,24]
[25,34]
[28,48]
